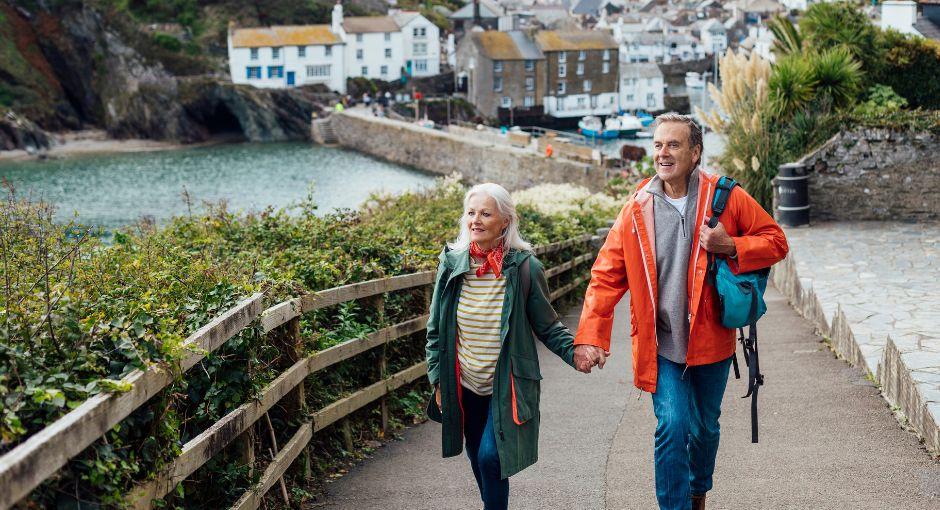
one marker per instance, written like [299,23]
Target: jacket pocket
[525,388]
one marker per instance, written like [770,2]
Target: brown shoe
[698,502]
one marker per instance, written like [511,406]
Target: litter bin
[792,184]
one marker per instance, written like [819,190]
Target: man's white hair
[510,238]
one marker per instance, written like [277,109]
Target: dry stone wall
[444,153]
[875,174]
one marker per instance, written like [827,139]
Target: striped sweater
[479,312]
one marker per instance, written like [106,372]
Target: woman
[490,296]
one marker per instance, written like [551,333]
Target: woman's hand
[437,395]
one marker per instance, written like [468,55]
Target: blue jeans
[687,406]
[481,449]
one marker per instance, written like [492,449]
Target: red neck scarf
[492,259]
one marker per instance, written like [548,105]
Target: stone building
[501,70]
[581,73]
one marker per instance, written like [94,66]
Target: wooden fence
[39,457]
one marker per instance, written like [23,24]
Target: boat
[592,127]
[627,125]
[645,118]
[694,80]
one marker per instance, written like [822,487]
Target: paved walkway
[885,278]
[828,441]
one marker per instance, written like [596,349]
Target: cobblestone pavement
[886,279]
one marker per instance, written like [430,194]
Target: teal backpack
[741,297]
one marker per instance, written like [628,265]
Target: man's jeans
[481,449]
[687,407]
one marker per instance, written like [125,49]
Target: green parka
[516,385]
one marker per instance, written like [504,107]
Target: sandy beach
[94,141]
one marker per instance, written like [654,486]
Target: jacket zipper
[708,191]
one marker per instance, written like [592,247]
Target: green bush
[167,42]
[910,65]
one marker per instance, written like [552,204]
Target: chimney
[336,25]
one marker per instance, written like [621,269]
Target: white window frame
[365,70]
[594,101]
[530,83]
[497,84]
[562,56]
[505,102]
[588,85]
[562,70]
[606,54]
[358,37]
[562,87]
[253,53]
[319,71]
[580,69]
[301,52]
[605,68]
[388,36]
[529,66]
[582,55]
[383,70]
[582,102]
[421,65]
[497,66]
[276,52]
[528,101]
[328,50]
[359,54]
[388,53]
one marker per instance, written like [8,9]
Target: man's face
[673,155]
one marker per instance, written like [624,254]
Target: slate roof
[369,24]
[551,40]
[514,45]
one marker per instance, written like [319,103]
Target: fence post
[377,303]
[297,399]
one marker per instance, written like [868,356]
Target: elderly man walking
[658,250]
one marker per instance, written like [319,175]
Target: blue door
[290,78]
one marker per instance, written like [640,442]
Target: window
[359,54]
[498,84]
[421,65]
[388,36]
[582,101]
[318,71]
[561,87]
[582,55]
[383,70]
[275,71]
[497,66]
[594,101]
[276,52]
[562,70]
[605,68]
[388,53]
[562,57]
[505,102]
[529,66]
[301,51]
[606,54]
[629,98]
[651,100]
[580,69]
[529,83]
[254,53]
[560,104]
[587,85]
[420,32]
[612,99]
[253,73]
[365,70]
[528,101]
[420,48]
[327,51]
[358,37]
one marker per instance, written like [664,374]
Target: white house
[287,56]
[378,47]
[657,47]
[421,42]
[714,36]
[642,86]
[374,47]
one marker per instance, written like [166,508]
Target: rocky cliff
[73,64]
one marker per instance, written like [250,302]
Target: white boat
[592,127]
[694,80]
[627,125]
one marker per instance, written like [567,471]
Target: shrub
[910,65]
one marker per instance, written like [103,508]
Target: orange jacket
[627,261]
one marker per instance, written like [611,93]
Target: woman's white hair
[511,237]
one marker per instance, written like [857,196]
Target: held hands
[717,240]
[437,395]
[587,356]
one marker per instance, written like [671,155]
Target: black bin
[792,184]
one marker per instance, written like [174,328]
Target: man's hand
[437,395]
[717,240]
[586,356]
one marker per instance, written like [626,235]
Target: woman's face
[485,223]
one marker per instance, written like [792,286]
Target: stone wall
[875,174]
[444,153]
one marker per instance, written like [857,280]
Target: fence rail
[39,457]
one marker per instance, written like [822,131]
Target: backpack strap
[720,200]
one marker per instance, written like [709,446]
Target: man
[658,249]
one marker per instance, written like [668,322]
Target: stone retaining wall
[444,153]
[893,375]
[875,174]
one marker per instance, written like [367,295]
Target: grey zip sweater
[673,250]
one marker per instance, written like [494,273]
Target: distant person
[366,99]
[388,98]
[658,249]
[383,99]
[482,362]
[339,106]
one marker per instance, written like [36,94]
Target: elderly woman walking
[490,297]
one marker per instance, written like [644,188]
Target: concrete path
[828,441]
